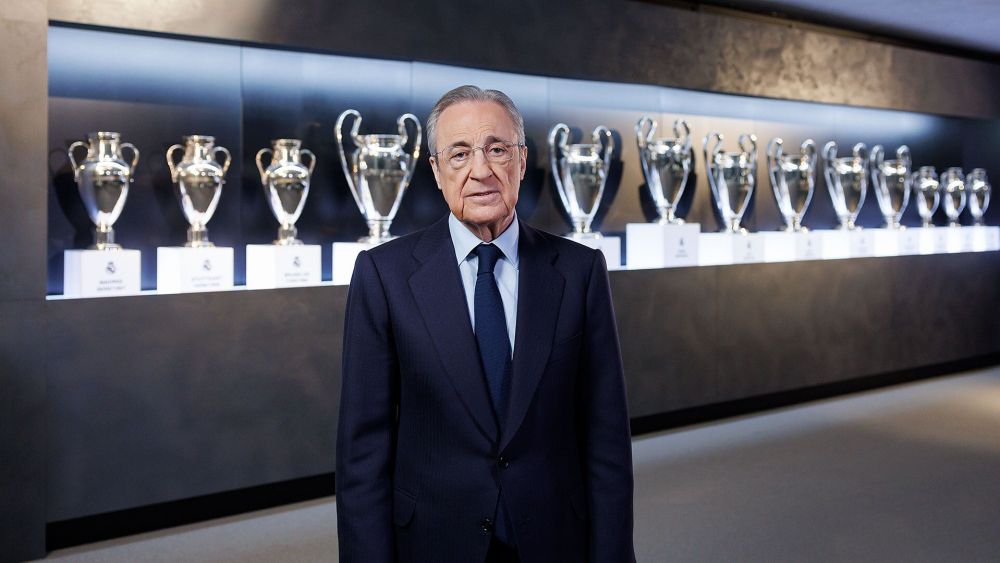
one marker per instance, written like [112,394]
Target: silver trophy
[953,192]
[891,181]
[847,180]
[286,184]
[793,179]
[927,191]
[732,177]
[978,188]
[103,178]
[666,164]
[378,171]
[580,173]
[199,177]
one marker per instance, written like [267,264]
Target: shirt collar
[465,241]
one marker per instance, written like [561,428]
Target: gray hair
[469,93]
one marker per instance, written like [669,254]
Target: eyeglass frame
[482,148]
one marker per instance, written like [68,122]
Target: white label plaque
[344,256]
[185,270]
[651,245]
[862,243]
[101,273]
[610,246]
[271,265]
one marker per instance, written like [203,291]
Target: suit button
[487,525]
[503,462]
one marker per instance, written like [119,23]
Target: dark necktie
[494,348]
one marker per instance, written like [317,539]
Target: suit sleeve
[366,431]
[607,438]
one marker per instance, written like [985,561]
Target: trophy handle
[860,151]
[229,158]
[876,158]
[260,163]
[750,139]
[134,159]
[903,155]
[682,125]
[170,161]
[642,136]
[415,153]
[829,156]
[312,159]
[338,130]
[710,158]
[609,145]
[774,153]
[554,144]
[72,159]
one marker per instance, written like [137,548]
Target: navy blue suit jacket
[420,457]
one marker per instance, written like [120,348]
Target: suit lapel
[539,295]
[437,289]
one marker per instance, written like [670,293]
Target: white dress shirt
[505,271]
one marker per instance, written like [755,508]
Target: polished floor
[908,473]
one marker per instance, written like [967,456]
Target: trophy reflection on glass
[793,179]
[580,172]
[731,176]
[378,171]
[666,165]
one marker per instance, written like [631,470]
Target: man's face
[481,194]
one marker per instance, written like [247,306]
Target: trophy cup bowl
[847,181]
[286,184]
[927,192]
[731,176]
[199,177]
[978,188]
[378,171]
[793,179]
[580,172]
[891,181]
[953,193]
[666,165]
[103,178]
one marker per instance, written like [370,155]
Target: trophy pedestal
[101,273]
[181,269]
[717,249]
[344,256]
[985,238]
[932,240]
[270,265]
[893,242]
[787,247]
[652,245]
[959,239]
[610,246]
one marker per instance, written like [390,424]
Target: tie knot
[488,255]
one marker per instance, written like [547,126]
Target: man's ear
[524,161]
[434,168]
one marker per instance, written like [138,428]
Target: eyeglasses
[499,152]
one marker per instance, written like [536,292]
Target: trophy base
[669,221]
[197,237]
[376,240]
[105,246]
[187,269]
[611,247]
[99,273]
[287,242]
[719,249]
[653,245]
[285,265]
[344,256]
[789,246]
[589,235]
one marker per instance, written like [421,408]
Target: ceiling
[958,25]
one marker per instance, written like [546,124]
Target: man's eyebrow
[459,144]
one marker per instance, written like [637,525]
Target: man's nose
[480,166]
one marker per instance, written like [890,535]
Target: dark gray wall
[616,40]
[23,116]
[146,399]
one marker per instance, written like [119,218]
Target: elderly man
[483,413]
